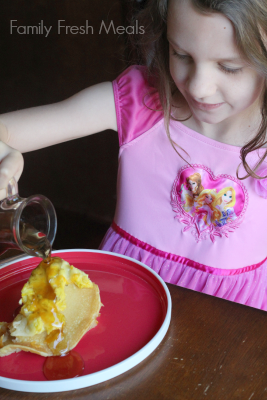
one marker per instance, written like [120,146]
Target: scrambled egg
[43,298]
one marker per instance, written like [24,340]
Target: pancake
[82,307]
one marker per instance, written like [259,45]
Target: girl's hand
[11,164]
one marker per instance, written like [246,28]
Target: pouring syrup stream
[69,364]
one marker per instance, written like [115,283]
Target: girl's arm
[89,111]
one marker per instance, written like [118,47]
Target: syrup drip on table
[67,366]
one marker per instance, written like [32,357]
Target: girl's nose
[201,84]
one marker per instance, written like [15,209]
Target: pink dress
[157,224]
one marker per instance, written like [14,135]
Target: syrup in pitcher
[36,241]
[28,224]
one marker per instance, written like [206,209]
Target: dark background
[79,176]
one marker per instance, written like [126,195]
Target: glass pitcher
[27,224]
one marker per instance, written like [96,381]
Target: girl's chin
[208,118]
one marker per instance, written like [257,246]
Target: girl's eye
[230,70]
[227,70]
[180,56]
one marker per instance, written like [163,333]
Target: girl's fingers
[10,165]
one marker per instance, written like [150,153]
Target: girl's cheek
[179,80]
[178,73]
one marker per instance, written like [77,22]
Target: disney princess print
[209,206]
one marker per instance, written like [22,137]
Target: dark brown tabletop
[214,349]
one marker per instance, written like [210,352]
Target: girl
[225,203]
[204,84]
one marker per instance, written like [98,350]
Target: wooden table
[214,349]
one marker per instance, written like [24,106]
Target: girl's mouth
[205,106]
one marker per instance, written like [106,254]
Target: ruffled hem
[248,288]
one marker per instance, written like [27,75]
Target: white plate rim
[107,373]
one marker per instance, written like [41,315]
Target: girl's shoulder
[137,103]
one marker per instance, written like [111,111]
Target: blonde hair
[216,214]
[189,202]
[224,191]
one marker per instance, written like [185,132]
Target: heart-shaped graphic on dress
[206,204]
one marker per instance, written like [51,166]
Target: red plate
[136,303]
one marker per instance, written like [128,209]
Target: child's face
[202,47]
